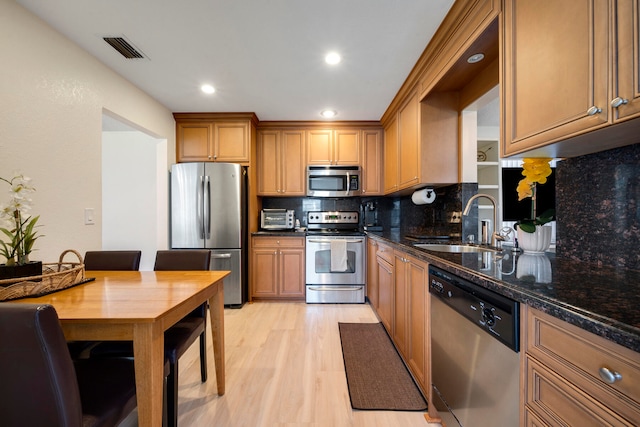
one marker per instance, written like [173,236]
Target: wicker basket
[55,277]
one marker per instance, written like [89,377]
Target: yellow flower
[524,189]
[536,170]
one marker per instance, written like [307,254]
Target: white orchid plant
[20,228]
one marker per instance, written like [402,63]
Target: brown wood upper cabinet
[371,162]
[391,156]
[333,147]
[564,78]
[214,137]
[421,143]
[281,166]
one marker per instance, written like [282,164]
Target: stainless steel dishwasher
[475,344]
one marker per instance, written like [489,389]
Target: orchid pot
[537,242]
[29,269]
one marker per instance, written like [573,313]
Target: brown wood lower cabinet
[402,305]
[372,273]
[418,304]
[277,268]
[385,293]
[563,383]
[401,310]
[570,377]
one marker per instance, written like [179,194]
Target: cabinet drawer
[574,352]
[385,252]
[278,242]
[559,402]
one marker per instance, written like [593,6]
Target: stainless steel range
[335,258]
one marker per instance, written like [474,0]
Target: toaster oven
[277,219]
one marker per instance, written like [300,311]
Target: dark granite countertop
[281,233]
[601,300]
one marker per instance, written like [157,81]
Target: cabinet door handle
[593,111]
[617,101]
[609,376]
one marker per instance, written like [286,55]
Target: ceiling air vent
[124,47]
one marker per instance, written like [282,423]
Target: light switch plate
[89,216]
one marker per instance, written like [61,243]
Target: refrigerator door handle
[200,207]
[220,255]
[207,207]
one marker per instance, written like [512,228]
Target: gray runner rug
[376,376]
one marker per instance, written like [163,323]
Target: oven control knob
[488,317]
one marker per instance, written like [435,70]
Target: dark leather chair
[104,260]
[181,336]
[112,260]
[42,386]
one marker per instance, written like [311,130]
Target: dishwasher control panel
[494,313]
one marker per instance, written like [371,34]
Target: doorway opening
[134,189]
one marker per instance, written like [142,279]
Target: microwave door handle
[348,183]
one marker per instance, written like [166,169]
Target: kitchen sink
[440,247]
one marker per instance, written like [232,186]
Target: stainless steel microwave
[333,181]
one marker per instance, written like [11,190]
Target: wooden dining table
[139,306]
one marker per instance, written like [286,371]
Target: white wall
[52,97]
[134,194]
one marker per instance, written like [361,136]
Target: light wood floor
[283,368]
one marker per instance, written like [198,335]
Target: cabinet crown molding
[311,125]
[216,116]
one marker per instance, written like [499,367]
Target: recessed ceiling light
[332,58]
[207,89]
[475,58]
[327,114]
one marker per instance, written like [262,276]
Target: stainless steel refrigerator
[208,210]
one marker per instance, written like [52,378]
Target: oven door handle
[335,288]
[329,241]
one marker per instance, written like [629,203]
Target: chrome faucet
[495,237]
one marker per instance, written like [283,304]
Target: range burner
[334,223]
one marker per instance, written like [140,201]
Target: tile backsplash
[402,215]
[398,214]
[598,208]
